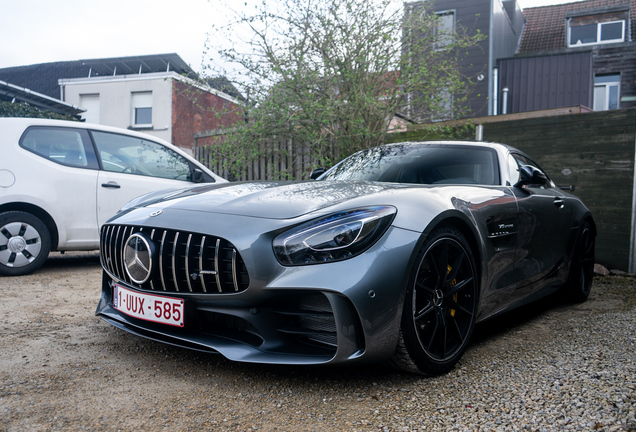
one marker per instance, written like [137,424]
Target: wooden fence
[274,160]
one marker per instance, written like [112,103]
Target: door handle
[111,185]
[559,203]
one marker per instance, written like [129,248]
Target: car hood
[275,200]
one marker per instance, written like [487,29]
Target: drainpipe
[632,246]
[495,92]
[504,102]
[479,133]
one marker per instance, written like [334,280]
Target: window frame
[521,160]
[608,86]
[92,162]
[440,45]
[101,141]
[599,28]
[139,100]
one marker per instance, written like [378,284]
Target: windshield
[420,164]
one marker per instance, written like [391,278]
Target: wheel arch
[575,233]
[405,358]
[589,219]
[462,223]
[40,213]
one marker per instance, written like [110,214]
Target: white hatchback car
[61,180]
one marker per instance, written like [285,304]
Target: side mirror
[530,175]
[567,188]
[197,175]
[317,173]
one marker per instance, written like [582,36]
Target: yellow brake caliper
[453,282]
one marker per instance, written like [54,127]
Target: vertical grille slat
[181,260]
[236,287]
[117,250]
[161,267]
[175,242]
[216,265]
[124,236]
[186,259]
[201,250]
[152,282]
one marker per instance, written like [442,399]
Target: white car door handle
[112,185]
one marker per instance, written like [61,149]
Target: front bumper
[338,312]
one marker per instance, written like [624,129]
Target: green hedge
[434,132]
[23,109]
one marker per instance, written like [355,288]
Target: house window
[142,109]
[583,32]
[90,102]
[606,92]
[444,30]
[444,105]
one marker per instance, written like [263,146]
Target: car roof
[19,124]
[493,145]
[25,122]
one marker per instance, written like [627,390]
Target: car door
[133,166]
[543,225]
[62,178]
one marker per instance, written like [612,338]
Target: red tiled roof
[546,26]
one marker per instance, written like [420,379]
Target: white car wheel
[25,243]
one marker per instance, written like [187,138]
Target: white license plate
[149,307]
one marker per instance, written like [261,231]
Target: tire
[581,275]
[25,243]
[439,306]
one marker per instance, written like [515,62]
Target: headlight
[333,238]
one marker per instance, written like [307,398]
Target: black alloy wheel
[582,267]
[440,306]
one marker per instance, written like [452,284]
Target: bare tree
[332,74]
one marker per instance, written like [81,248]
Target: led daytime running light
[333,238]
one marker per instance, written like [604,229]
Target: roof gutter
[37,99]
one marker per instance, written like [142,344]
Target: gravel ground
[547,367]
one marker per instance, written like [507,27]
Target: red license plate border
[118,287]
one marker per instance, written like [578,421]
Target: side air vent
[311,321]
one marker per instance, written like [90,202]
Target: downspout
[632,243]
[504,101]
[490,54]
[479,133]
[495,93]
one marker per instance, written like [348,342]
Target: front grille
[183,262]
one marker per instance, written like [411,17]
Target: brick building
[156,94]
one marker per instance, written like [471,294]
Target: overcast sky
[40,31]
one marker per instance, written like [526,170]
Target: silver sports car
[393,255]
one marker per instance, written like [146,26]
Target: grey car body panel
[512,249]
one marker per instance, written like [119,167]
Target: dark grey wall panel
[546,82]
[593,151]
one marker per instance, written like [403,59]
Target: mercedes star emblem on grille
[138,253]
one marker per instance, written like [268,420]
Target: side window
[513,167]
[126,154]
[65,146]
[524,160]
